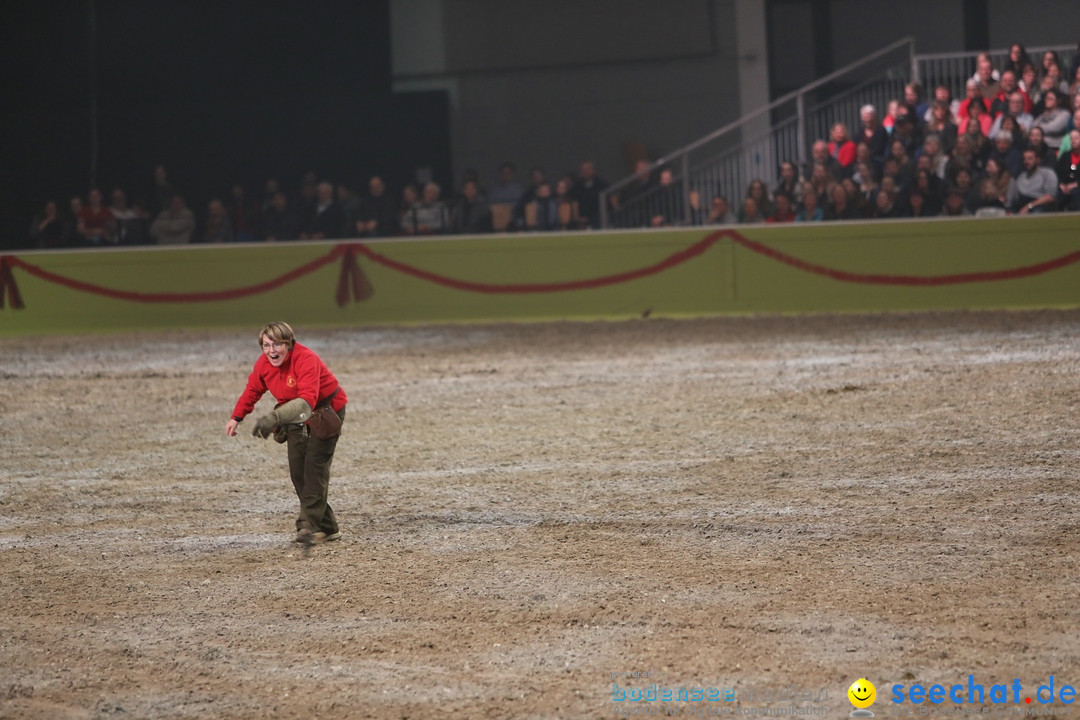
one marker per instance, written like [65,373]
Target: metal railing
[953,70]
[727,160]
[752,147]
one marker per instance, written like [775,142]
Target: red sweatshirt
[303,375]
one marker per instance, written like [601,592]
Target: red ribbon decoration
[8,286]
[352,278]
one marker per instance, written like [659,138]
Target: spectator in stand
[1035,141]
[1036,186]
[1053,121]
[1008,88]
[349,203]
[750,213]
[407,219]
[913,96]
[218,226]
[1018,58]
[811,210]
[1029,81]
[990,203]
[587,191]
[936,158]
[930,187]
[537,178]
[974,92]
[1005,155]
[790,183]
[665,204]
[130,223]
[174,225]
[820,180]
[917,205]
[885,206]
[1038,96]
[987,77]
[327,221]
[783,212]
[547,210]
[47,229]
[1066,142]
[279,221]
[472,214]
[1015,110]
[431,213]
[641,183]
[161,196]
[842,150]
[569,217]
[243,214]
[1010,127]
[872,132]
[378,212]
[978,126]
[962,157]
[96,222]
[907,130]
[272,189]
[942,94]
[980,145]
[507,190]
[760,193]
[1074,83]
[840,205]
[820,155]
[1060,82]
[969,189]
[866,183]
[71,222]
[1068,175]
[954,204]
[1049,58]
[905,166]
[889,121]
[855,198]
[943,124]
[1001,180]
[720,213]
[863,156]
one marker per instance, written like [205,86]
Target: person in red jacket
[842,148]
[300,381]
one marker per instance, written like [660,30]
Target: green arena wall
[879,266]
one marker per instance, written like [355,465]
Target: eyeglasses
[274,345]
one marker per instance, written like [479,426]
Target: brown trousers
[309,468]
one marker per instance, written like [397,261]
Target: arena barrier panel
[831,267]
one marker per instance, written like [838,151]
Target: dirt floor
[533,514]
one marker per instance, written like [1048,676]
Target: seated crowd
[1011,145]
[322,209]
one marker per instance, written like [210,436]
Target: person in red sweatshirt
[302,384]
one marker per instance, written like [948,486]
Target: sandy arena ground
[533,512]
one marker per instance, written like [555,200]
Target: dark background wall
[553,83]
[218,92]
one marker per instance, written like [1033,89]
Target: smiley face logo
[862,693]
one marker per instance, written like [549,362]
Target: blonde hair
[280,332]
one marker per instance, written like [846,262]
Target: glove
[294,411]
[265,425]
